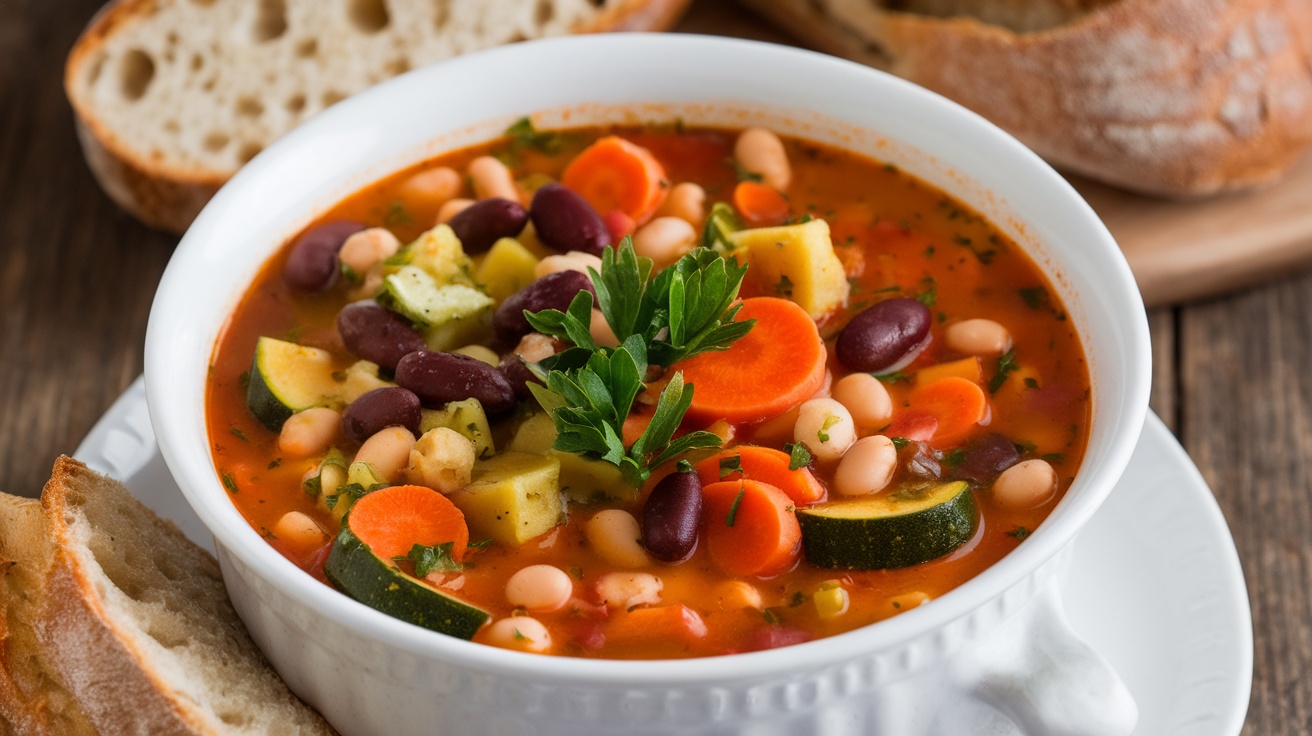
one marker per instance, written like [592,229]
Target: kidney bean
[553,291]
[312,263]
[885,337]
[377,334]
[564,221]
[921,460]
[485,222]
[670,517]
[439,378]
[986,457]
[378,409]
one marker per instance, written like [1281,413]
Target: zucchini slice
[900,529]
[415,295]
[355,570]
[720,224]
[287,378]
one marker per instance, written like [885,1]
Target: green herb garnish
[239,434]
[432,559]
[1006,366]
[730,465]
[733,508]
[231,484]
[524,135]
[1034,296]
[798,455]
[1019,533]
[899,442]
[822,434]
[928,297]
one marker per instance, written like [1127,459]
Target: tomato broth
[894,236]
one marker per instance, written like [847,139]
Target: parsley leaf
[730,465]
[899,442]
[524,135]
[798,455]
[1019,533]
[743,174]
[733,508]
[432,559]
[928,297]
[1034,296]
[954,458]
[231,484]
[1006,366]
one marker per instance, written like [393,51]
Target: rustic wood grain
[77,277]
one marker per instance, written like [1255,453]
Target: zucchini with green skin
[286,378]
[354,568]
[414,294]
[900,529]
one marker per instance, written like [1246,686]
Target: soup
[769,391]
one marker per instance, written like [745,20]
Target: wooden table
[1232,376]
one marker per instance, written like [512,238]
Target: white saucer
[1154,585]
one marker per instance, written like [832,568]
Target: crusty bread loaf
[1180,98]
[117,624]
[172,96]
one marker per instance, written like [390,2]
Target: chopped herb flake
[954,458]
[822,434]
[899,442]
[239,434]
[798,455]
[1006,366]
[733,508]
[436,558]
[1019,533]
[1035,296]
[729,466]
[229,483]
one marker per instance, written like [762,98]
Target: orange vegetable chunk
[957,403]
[767,465]
[759,205]
[662,624]
[749,528]
[615,174]
[392,520]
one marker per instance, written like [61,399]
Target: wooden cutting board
[1179,251]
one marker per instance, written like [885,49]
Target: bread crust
[1178,98]
[169,197]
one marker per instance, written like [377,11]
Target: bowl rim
[201,486]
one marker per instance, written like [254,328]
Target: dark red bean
[485,222]
[519,376]
[985,458]
[381,408]
[377,334]
[439,378]
[553,291]
[564,221]
[312,264]
[885,337]
[921,460]
[671,516]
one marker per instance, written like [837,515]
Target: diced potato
[581,480]
[534,435]
[438,252]
[466,417]
[359,379]
[474,328]
[799,261]
[507,268]
[967,368]
[514,498]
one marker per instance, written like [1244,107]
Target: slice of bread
[1180,98]
[172,96]
[116,623]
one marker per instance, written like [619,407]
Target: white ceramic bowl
[993,655]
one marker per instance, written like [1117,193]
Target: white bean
[825,427]
[686,201]
[865,398]
[309,432]
[614,535]
[443,459]
[866,467]
[664,239]
[761,152]
[491,178]
[977,337]
[575,260]
[431,187]
[524,633]
[539,588]
[487,355]
[602,334]
[452,208]
[1025,484]
[367,248]
[629,589]
[300,530]
[535,347]
[388,451]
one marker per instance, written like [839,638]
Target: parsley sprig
[589,390]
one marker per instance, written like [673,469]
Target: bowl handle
[1039,673]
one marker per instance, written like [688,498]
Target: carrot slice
[657,625]
[760,206]
[614,174]
[777,365]
[767,465]
[967,368]
[749,528]
[957,403]
[392,520]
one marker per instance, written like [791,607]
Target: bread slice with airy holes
[1180,98]
[116,623]
[172,96]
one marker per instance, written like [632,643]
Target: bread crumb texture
[1170,97]
[208,84]
[130,624]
